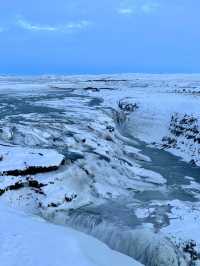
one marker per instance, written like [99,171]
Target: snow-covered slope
[29,241]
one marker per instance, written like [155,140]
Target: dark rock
[189,247]
[30,170]
[69,199]
[54,205]
[127,107]
[189,136]
[29,182]
[192,162]
[35,184]
[110,129]
[91,89]
[197,139]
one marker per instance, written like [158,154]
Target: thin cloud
[78,25]
[125,11]
[138,7]
[149,8]
[26,25]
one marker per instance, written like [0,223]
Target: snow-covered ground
[20,161]
[92,153]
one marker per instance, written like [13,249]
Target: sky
[99,36]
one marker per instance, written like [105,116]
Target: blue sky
[93,36]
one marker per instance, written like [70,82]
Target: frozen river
[119,181]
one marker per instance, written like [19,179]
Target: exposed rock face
[17,161]
[190,248]
[184,136]
[28,182]
[127,106]
[32,170]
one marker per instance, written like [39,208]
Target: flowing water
[116,224]
[171,167]
[114,221]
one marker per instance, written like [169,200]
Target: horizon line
[96,74]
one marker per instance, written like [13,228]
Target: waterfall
[151,249]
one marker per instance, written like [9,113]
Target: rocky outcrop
[18,161]
[184,137]
[28,182]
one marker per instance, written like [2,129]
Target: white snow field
[115,157]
